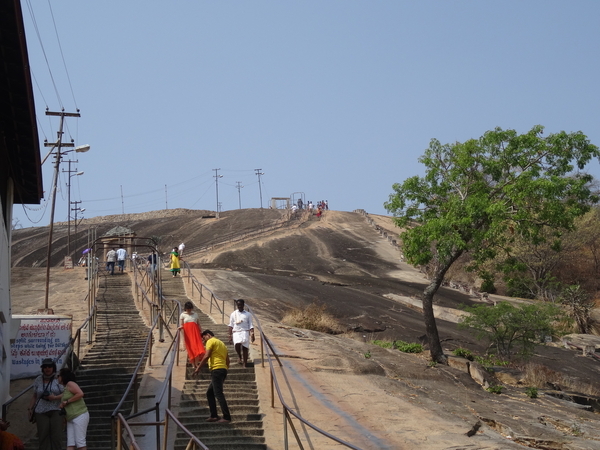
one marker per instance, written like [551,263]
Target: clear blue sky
[336,99]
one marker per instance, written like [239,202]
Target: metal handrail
[213,299]
[236,237]
[117,419]
[286,409]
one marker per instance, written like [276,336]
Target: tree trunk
[435,347]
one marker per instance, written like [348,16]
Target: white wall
[6,333]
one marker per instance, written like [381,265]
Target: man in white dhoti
[241,331]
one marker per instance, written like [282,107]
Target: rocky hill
[343,262]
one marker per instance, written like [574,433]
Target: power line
[62,56]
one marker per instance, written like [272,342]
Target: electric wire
[37,31]
[62,55]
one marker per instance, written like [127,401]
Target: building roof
[19,142]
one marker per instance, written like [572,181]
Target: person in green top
[77,413]
[217,358]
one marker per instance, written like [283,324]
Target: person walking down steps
[175,268]
[241,331]
[217,358]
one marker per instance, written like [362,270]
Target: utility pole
[122,201]
[259,173]
[69,172]
[58,145]
[76,208]
[217,176]
[166,198]
[238,185]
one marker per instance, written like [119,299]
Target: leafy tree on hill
[477,195]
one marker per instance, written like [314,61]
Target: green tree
[476,195]
[507,326]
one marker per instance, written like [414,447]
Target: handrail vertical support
[272,390]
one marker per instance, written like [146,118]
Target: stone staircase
[246,428]
[106,370]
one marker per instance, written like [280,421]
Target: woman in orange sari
[192,332]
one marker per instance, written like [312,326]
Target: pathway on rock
[246,428]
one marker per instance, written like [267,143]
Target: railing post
[166,430]
[285,434]
[113,432]
[272,390]
[150,352]
[158,426]
[262,352]
[118,434]
[135,395]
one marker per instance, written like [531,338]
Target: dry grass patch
[314,317]
[540,376]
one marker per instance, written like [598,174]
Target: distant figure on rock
[111,258]
[218,363]
[241,331]
[181,249]
[192,333]
[121,257]
[152,263]
[175,268]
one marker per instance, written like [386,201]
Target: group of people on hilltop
[204,348]
[321,206]
[119,255]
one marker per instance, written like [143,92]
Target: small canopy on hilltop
[119,231]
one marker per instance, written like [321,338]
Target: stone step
[201,425]
[226,442]
[195,396]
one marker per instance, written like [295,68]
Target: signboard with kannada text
[39,337]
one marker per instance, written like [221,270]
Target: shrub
[531,392]
[580,306]
[408,347]
[464,353]
[508,327]
[313,317]
[490,360]
[497,389]
[383,344]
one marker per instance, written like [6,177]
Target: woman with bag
[77,413]
[44,408]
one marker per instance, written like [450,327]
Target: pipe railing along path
[270,354]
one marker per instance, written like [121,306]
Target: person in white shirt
[121,256]
[241,331]
[181,248]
